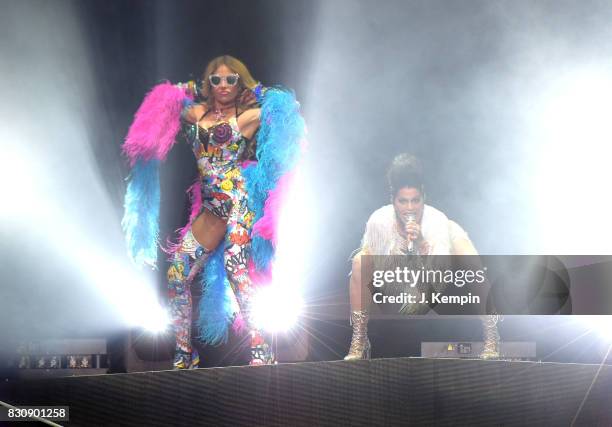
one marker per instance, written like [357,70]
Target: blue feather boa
[278,148]
[216,308]
[141,217]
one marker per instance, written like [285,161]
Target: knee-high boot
[360,344]
[491,337]
[187,262]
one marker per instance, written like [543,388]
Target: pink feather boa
[267,226]
[156,124]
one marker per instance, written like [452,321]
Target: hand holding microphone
[413,230]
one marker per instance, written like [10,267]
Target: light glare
[276,309]
[571,173]
[600,324]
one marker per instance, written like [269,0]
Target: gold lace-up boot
[360,344]
[491,337]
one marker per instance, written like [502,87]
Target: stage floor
[399,391]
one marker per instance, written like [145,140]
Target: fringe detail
[195,196]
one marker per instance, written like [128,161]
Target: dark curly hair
[405,171]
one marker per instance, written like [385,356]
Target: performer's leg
[360,304]
[359,294]
[236,256]
[187,262]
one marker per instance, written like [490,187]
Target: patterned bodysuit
[218,152]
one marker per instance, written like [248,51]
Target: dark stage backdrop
[459,83]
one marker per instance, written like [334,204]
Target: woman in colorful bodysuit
[219,131]
[221,125]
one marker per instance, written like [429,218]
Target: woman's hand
[190,87]
[413,230]
[247,97]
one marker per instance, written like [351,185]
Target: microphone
[408,218]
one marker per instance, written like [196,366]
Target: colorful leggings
[189,260]
[186,264]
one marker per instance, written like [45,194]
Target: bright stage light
[600,324]
[277,308]
[571,173]
[56,206]
[151,316]
[132,296]
[128,292]
[17,181]
[292,234]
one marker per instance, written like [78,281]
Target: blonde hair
[246,80]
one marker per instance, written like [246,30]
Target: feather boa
[156,123]
[217,305]
[279,142]
[150,138]
[141,218]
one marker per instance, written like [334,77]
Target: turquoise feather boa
[216,308]
[278,148]
[141,216]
